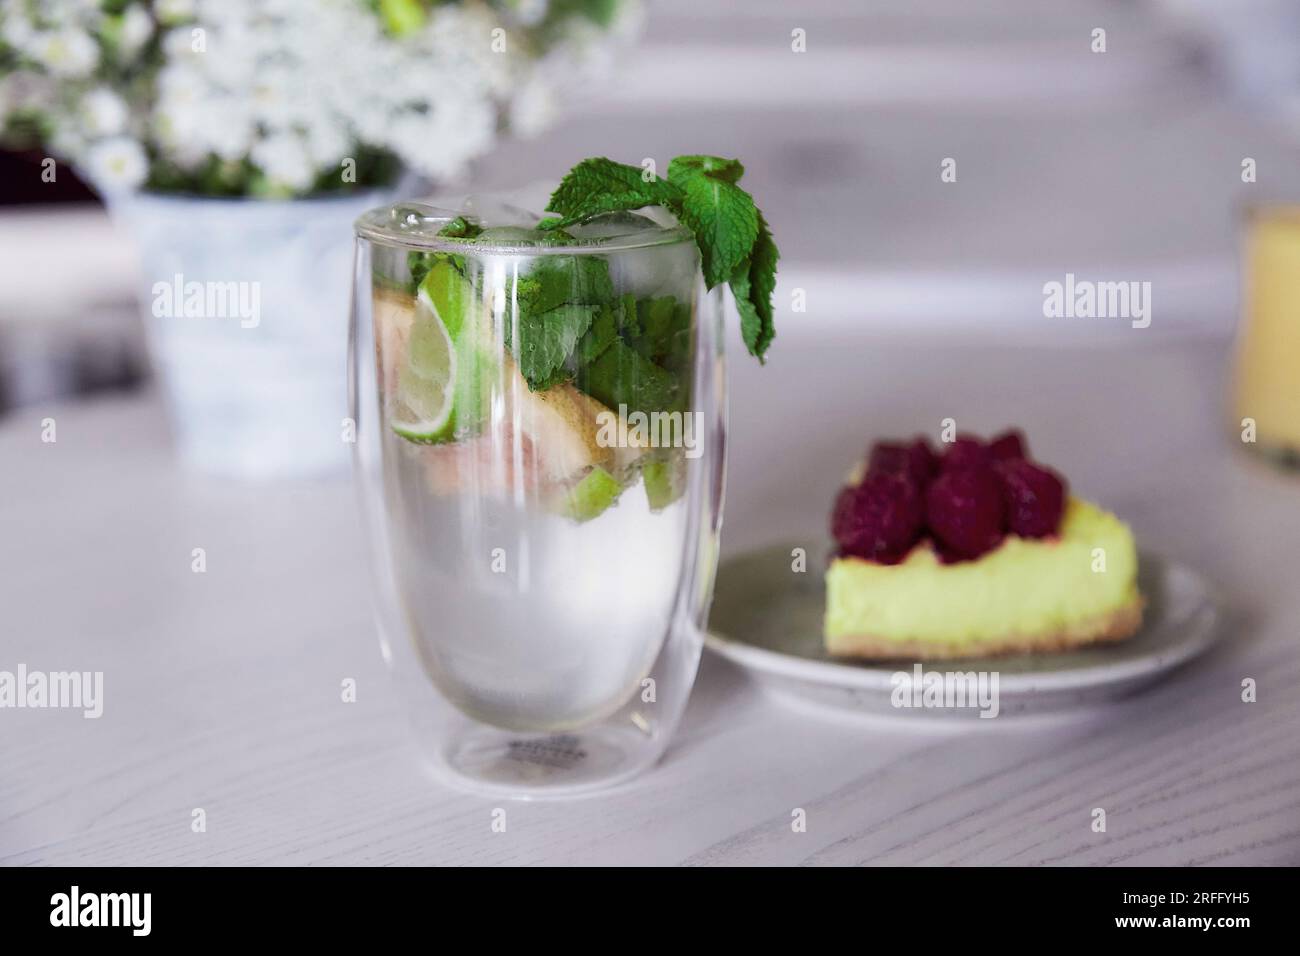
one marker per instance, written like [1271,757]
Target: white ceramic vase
[245,304]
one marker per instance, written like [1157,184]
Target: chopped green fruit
[591,496]
[444,385]
[665,480]
[450,294]
[426,382]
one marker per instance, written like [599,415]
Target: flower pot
[245,305]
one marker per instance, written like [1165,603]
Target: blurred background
[927,167]
[1108,138]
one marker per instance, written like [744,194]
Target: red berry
[1034,497]
[879,519]
[966,452]
[916,460]
[965,511]
[1010,444]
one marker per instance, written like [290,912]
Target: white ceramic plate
[768,620]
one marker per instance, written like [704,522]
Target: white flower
[116,165]
[284,161]
[534,108]
[327,141]
[137,27]
[103,113]
[67,52]
[292,86]
[16,28]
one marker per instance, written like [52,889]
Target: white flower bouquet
[286,98]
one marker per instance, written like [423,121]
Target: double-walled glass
[540,423]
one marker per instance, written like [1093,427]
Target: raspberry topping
[916,460]
[1010,444]
[880,519]
[1034,497]
[965,511]
[964,502]
[966,452]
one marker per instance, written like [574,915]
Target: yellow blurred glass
[1268,347]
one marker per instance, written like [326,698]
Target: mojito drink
[538,425]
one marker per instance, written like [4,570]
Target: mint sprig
[734,240]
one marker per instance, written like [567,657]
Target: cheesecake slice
[1027,594]
[979,551]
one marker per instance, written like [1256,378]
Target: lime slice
[426,383]
[449,292]
[665,480]
[592,495]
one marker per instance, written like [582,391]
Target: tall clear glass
[540,446]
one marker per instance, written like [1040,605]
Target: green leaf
[734,241]
[623,376]
[547,339]
[557,303]
[556,280]
[601,185]
[665,330]
[725,222]
[727,170]
[601,335]
[752,285]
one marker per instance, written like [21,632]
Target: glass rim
[385,225]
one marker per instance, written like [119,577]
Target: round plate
[769,620]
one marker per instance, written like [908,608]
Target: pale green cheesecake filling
[1025,587]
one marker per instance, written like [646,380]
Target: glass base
[488,761]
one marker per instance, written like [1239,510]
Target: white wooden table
[222,689]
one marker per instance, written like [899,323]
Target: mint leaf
[734,240]
[752,285]
[601,185]
[547,339]
[557,303]
[460,228]
[665,330]
[623,376]
[601,335]
[555,280]
[727,170]
[724,220]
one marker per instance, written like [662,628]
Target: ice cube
[611,224]
[492,211]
